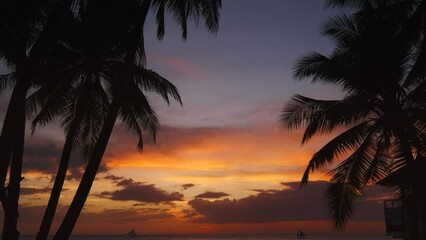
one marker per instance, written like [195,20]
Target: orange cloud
[239,161]
[188,153]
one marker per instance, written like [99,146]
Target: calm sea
[224,237]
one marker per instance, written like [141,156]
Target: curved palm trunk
[8,135]
[414,206]
[61,174]
[56,191]
[14,134]
[89,175]
[92,167]
[423,213]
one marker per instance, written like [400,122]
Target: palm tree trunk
[421,186]
[83,190]
[56,191]
[61,174]
[15,134]
[423,216]
[8,136]
[89,175]
[422,207]
[415,194]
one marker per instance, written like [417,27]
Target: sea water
[223,237]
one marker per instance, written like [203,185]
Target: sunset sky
[221,163]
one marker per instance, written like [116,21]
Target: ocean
[223,237]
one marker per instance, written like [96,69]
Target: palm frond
[320,116]
[416,74]
[320,68]
[46,91]
[300,110]
[210,11]
[342,29]
[349,140]
[94,114]
[349,183]
[160,12]
[341,3]
[344,113]
[137,113]
[183,10]
[380,165]
[6,81]
[342,198]
[415,99]
[151,81]
[53,105]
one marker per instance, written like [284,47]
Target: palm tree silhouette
[381,68]
[27,30]
[126,87]
[89,49]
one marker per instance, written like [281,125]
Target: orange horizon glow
[232,161]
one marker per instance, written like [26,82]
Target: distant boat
[300,235]
[131,233]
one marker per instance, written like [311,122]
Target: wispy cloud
[31,191]
[175,64]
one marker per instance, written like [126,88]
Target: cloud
[287,204]
[187,185]
[43,155]
[212,195]
[176,65]
[77,166]
[141,192]
[113,178]
[30,191]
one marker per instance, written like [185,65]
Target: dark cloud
[288,204]
[30,191]
[141,192]
[212,195]
[125,182]
[43,155]
[77,166]
[187,185]
[113,178]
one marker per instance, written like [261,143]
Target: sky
[221,163]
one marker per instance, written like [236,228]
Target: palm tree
[78,97]
[87,54]
[85,108]
[26,32]
[381,69]
[128,85]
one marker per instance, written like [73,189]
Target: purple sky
[246,69]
